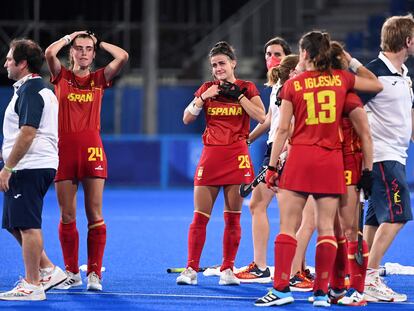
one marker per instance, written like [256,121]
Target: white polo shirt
[389,112]
[35,105]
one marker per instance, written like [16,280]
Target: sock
[357,272]
[285,248]
[96,246]
[231,239]
[340,266]
[196,239]
[69,241]
[324,260]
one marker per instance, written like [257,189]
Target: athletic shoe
[274,298]
[252,274]
[352,298]
[72,280]
[335,294]
[227,277]
[320,299]
[300,283]
[24,291]
[376,290]
[94,282]
[308,274]
[51,277]
[187,277]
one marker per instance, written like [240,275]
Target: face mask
[272,61]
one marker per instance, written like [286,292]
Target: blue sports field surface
[147,233]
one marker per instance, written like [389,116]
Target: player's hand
[230,90]
[271,178]
[365,183]
[4,180]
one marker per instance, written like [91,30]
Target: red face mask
[272,61]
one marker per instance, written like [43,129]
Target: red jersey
[318,101]
[226,120]
[80,100]
[352,142]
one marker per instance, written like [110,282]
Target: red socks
[69,241]
[285,248]
[231,239]
[196,239]
[96,246]
[357,272]
[340,266]
[326,247]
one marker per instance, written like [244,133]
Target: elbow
[261,118]
[49,53]
[379,87]
[124,57]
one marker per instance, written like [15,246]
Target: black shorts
[23,202]
[390,199]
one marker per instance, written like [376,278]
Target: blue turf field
[147,233]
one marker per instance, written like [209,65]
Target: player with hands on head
[225,160]
[81,156]
[316,100]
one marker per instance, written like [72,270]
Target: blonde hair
[282,71]
[395,31]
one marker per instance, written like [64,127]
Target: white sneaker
[187,277]
[352,298]
[227,277]
[94,282]
[24,291]
[72,279]
[51,277]
[376,290]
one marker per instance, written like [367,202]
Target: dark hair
[222,47]
[30,51]
[337,55]
[395,31]
[317,45]
[282,71]
[279,41]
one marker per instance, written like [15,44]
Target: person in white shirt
[30,161]
[390,117]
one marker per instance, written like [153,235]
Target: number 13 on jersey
[327,101]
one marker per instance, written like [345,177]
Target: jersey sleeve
[286,91]
[29,108]
[251,91]
[202,89]
[99,77]
[352,101]
[349,79]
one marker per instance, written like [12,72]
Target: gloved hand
[271,177]
[230,90]
[365,183]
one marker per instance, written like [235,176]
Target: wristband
[240,97]
[67,39]
[9,169]
[354,64]
[201,97]
[271,168]
[193,109]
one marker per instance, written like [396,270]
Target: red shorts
[81,155]
[352,168]
[314,170]
[224,165]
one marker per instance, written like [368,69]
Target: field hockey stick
[359,255]
[245,190]
[179,270]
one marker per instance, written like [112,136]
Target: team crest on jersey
[200,173]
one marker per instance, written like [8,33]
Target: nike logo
[394,83]
[17,196]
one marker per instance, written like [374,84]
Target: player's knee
[68,217]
